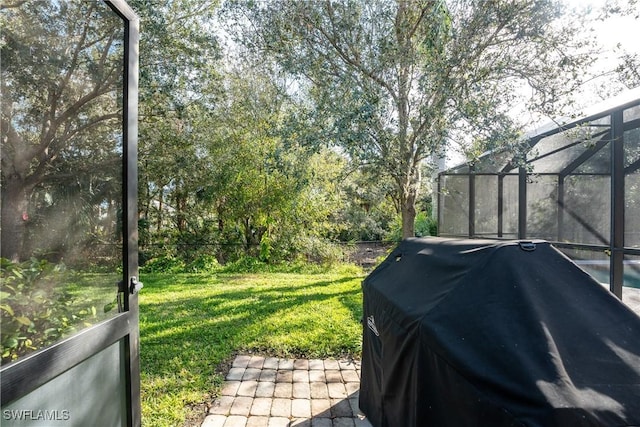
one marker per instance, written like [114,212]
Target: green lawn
[192,324]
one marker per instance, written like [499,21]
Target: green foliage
[164,264]
[425,226]
[62,68]
[202,264]
[391,83]
[38,307]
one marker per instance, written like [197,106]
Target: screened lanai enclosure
[577,186]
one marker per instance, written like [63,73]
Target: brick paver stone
[258,422]
[230,388]
[353,389]
[247,388]
[222,405]
[321,422]
[241,406]
[251,374]
[281,408]
[316,364]
[283,390]
[271,363]
[301,391]
[301,364]
[343,422]
[350,376]
[241,361]
[300,376]
[317,375]
[278,422]
[284,376]
[331,364]
[333,376]
[236,421]
[347,364]
[321,408]
[256,362]
[355,407]
[319,390]
[337,390]
[214,421]
[268,375]
[341,408]
[261,406]
[285,364]
[265,389]
[300,408]
[235,374]
[300,422]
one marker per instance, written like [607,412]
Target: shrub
[37,307]
[163,264]
[202,264]
[424,225]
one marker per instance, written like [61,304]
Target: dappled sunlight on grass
[191,324]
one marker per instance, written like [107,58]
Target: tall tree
[178,76]
[392,80]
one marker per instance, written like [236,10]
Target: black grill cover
[478,333]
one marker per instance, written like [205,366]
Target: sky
[614,35]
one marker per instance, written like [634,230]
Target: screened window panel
[594,262]
[454,205]
[631,287]
[493,163]
[632,271]
[486,205]
[632,188]
[598,162]
[558,161]
[542,207]
[62,238]
[510,203]
[555,153]
[586,210]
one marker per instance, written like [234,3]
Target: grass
[191,325]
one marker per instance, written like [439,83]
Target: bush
[319,251]
[163,264]
[37,307]
[246,265]
[203,263]
[424,225]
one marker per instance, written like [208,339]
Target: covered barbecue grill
[486,333]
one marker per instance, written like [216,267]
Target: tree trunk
[408,211]
[253,236]
[408,187]
[15,201]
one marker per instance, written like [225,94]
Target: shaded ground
[369,254]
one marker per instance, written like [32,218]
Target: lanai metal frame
[477,200]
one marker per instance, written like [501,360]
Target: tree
[179,84]
[61,116]
[392,80]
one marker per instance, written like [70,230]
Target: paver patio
[274,392]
